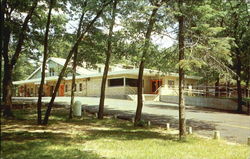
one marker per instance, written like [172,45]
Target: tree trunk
[46,118]
[7,74]
[73,83]
[7,90]
[45,56]
[217,84]
[9,64]
[182,120]
[247,81]
[141,68]
[106,69]
[238,72]
[3,5]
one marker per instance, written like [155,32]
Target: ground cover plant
[90,138]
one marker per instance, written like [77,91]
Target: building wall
[92,86]
[173,90]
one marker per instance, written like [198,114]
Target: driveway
[233,127]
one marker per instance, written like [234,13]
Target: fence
[208,91]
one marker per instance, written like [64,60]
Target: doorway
[61,90]
[155,84]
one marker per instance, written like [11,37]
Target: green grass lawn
[89,138]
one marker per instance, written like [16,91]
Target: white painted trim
[40,67]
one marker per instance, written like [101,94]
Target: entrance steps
[145,97]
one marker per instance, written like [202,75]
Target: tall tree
[238,22]
[46,118]
[10,61]
[181,39]
[45,56]
[108,55]
[155,4]
[73,83]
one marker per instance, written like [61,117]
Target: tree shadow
[42,145]
[124,134]
[160,120]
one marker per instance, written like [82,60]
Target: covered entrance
[155,84]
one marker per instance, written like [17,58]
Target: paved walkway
[233,127]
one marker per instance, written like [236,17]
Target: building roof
[36,80]
[88,73]
[147,72]
[80,70]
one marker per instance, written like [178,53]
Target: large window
[131,82]
[115,82]
[66,88]
[51,72]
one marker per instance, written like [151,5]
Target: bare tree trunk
[73,84]
[9,64]
[45,56]
[152,20]
[182,118]
[106,69]
[238,72]
[46,118]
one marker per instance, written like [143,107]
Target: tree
[238,26]
[73,84]
[181,39]
[46,118]
[151,22]
[10,61]
[45,56]
[108,56]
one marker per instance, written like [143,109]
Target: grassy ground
[89,138]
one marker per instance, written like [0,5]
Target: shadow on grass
[123,134]
[42,145]
[37,149]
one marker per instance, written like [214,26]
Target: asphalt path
[233,127]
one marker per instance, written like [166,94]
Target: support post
[217,135]
[190,130]
[149,123]
[168,126]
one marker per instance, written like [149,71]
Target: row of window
[120,82]
[111,83]
[79,87]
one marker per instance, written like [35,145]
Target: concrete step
[146,97]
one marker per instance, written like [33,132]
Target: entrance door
[61,90]
[155,84]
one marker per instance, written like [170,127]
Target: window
[99,69]
[170,84]
[51,71]
[131,82]
[31,91]
[66,88]
[80,87]
[115,82]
